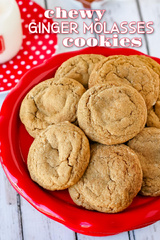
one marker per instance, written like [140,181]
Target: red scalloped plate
[57,205]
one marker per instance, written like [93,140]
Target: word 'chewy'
[60,13]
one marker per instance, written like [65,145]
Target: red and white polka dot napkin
[34,50]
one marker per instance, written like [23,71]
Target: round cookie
[113,178]
[50,102]
[111,114]
[151,63]
[147,147]
[141,77]
[79,67]
[155,66]
[153,118]
[59,156]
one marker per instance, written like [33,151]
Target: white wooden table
[18,219]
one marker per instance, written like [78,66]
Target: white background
[18,219]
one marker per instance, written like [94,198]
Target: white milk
[10,30]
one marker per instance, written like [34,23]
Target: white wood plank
[151,232]
[40,2]
[33,221]
[68,5]
[119,11]
[2,97]
[61,231]
[121,236]
[35,225]
[10,227]
[150,10]
[38,226]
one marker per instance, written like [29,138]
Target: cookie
[140,76]
[112,180]
[155,66]
[111,114]
[79,67]
[152,64]
[58,156]
[153,118]
[50,102]
[146,145]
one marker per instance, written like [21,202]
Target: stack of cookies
[96,126]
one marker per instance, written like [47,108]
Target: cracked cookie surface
[146,145]
[59,156]
[111,114]
[111,181]
[50,102]
[155,66]
[140,76]
[153,119]
[79,67]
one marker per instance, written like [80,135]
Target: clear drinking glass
[10,30]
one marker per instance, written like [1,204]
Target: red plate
[35,47]
[57,205]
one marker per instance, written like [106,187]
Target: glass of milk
[10,30]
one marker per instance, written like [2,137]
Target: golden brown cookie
[147,147]
[151,63]
[50,102]
[79,67]
[140,76]
[113,178]
[153,119]
[155,66]
[111,114]
[59,156]
[147,61]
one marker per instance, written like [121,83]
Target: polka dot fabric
[34,50]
